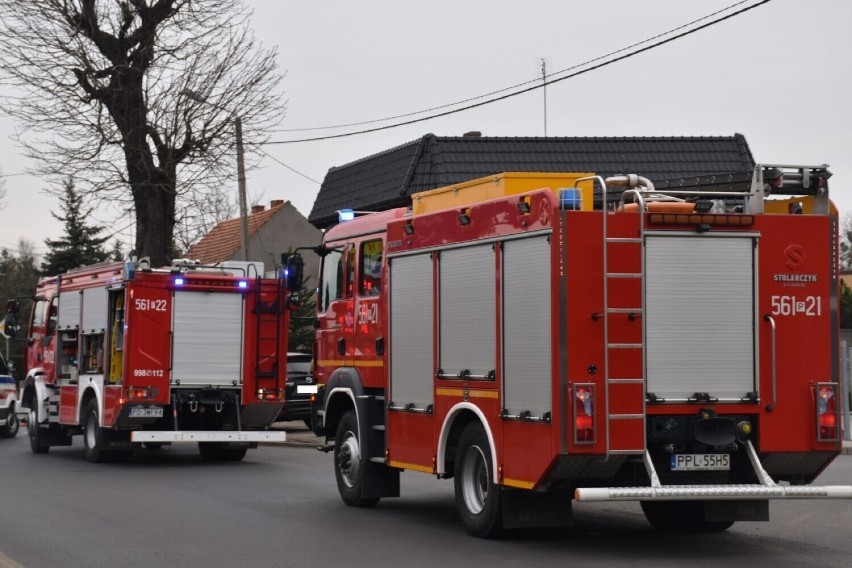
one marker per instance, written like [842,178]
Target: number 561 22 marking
[793,306]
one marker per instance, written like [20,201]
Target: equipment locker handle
[341,346]
[769,407]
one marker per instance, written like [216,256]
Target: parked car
[299,388]
[8,401]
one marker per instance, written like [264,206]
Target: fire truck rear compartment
[207,338]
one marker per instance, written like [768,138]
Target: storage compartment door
[69,309]
[468,312]
[700,316]
[207,330]
[411,331]
[527,313]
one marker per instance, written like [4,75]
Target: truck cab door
[369,337]
[336,311]
[40,343]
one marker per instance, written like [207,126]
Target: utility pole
[241,186]
[544,90]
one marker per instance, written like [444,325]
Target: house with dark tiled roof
[389,178]
[271,232]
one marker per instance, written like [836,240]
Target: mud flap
[380,481]
[116,439]
[723,511]
[55,435]
[528,509]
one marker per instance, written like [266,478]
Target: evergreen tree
[18,279]
[80,245]
[302,330]
[845,306]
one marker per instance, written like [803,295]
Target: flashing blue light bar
[571,199]
[179,281]
[345,215]
[243,284]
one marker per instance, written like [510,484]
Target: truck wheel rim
[12,421]
[474,480]
[348,458]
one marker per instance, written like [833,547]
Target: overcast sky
[780,74]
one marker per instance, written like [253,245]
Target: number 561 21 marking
[793,306]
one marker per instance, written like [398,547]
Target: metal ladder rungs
[633,313]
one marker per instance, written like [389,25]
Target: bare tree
[106,84]
[2,190]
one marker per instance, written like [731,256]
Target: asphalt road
[280,508]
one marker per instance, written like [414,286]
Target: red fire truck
[676,347]
[128,355]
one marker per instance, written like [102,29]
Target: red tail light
[139,393]
[826,411]
[584,414]
[270,394]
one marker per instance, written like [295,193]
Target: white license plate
[306,389]
[139,412]
[701,462]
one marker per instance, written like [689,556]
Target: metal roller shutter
[411,325]
[207,330]
[700,314]
[526,326]
[94,310]
[467,310]
[69,310]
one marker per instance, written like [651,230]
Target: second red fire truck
[128,355]
[673,347]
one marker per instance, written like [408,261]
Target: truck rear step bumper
[207,436]
[713,492]
[767,489]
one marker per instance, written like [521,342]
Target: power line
[534,87]
[523,84]
[294,170]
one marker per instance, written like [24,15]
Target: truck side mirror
[294,272]
[10,326]
[12,307]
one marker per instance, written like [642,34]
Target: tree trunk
[155,220]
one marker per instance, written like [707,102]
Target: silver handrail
[771,405]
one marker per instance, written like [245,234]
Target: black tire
[93,434]
[478,498]
[680,516]
[38,444]
[348,466]
[217,452]
[10,429]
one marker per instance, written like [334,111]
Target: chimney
[275,203]
[257,209]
